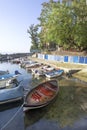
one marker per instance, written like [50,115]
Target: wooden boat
[41,95]
[54,73]
[8,95]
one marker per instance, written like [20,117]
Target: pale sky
[15,18]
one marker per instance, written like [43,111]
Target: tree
[80,10]
[44,16]
[33,32]
[56,22]
[64,25]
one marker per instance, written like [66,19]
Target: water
[60,115]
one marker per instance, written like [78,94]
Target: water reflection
[11,117]
[69,106]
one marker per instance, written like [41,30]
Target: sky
[15,18]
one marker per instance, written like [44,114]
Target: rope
[12,117]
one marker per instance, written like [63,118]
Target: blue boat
[2,72]
[54,73]
[9,76]
[13,94]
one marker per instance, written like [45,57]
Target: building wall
[65,59]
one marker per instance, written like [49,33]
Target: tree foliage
[64,25]
[44,16]
[80,37]
[33,34]
[61,24]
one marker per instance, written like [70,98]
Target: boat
[9,76]
[2,72]
[31,64]
[13,94]
[54,73]
[48,68]
[8,83]
[42,70]
[16,61]
[41,95]
[39,73]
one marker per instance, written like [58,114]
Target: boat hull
[11,95]
[41,95]
[54,74]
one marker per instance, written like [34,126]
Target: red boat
[41,95]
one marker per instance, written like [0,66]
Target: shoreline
[81,68]
[72,98]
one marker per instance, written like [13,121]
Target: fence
[66,59]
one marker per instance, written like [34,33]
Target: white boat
[6,83]
[39,73]
[54,73]
[33,64]
[48,68]
[7,78]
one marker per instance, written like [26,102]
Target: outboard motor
[17,72]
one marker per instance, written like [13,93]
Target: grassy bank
[82,74]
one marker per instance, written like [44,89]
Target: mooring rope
[12,117]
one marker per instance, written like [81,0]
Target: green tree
[33,34]
[64,25]
[56,21]
[80,10]
[44,17]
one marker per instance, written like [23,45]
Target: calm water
[59,115]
